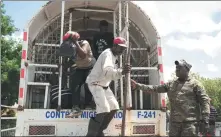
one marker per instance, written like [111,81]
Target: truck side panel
[51,122]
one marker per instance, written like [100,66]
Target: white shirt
[104,70]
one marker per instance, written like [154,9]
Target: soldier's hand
[126,69]
[205,125]
[133,84]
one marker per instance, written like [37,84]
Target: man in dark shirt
[103,39]
[212,119]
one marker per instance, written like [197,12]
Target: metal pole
[141,99]
[127,80]
[46,97]
[128,85]
[120,60]
[70,27]
[114,27]
[60,69]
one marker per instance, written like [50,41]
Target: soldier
[184,93]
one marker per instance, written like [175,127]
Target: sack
[66,49]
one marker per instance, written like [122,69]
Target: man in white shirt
[98,81]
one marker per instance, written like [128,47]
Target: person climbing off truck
[84,61]
[98,81]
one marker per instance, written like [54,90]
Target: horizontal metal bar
[49,45]
[144,68]
[8,118]
[45,72]
[9,129]
[94,10]
[139,48]
[8,106]
[38,83]
[43,65]
[139,75]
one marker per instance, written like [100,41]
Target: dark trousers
[77,80]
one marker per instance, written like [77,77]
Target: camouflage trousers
[183,129]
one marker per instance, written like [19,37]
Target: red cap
[69,33]
[120,41]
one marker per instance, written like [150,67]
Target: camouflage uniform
[184,113]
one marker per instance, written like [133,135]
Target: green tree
[10,60]
[212,87]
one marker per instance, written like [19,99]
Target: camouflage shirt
[183,98]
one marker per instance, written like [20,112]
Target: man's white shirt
[104,70]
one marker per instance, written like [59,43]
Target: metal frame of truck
[39,37]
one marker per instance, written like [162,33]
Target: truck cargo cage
[45,83]
[42,56]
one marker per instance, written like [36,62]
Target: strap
[97,84]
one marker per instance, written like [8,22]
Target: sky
[189,30]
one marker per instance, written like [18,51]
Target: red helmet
[120,41]
[72,35]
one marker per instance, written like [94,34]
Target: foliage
[7,26]
[10,61]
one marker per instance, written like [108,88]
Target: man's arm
[203,100]
[109,69]
[156,88]
[82,49]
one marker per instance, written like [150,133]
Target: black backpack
[66,49]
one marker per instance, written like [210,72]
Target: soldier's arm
[203,100]
[154,88]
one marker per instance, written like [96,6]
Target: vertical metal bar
[148,65]
[30,100]
[33,54]
[129,104]
[49,97]
[46,97]
[120,60]
[70,20]
[141,99]
[61,40]
[26,91]
[70,26]
[114,31]
[135,99]
[127,93]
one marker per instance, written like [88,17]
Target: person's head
[103,26]
[119,46]
[71,35]
[182,69]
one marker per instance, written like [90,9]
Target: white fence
[8,126]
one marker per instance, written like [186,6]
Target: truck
[42,37]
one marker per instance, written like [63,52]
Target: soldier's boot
[95,124]
[107,119]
